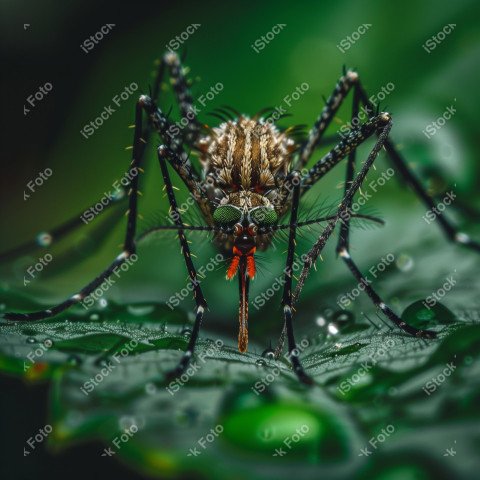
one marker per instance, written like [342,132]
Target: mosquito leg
[129,248]
[355,138]
[184,98]
[450,231]
[383,122]
[378,302]
[344,242]
[350,172]
[287,289]
[344,84]
[58,233]
[201,304]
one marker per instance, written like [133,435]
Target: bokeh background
[41,43]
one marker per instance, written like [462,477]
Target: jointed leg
[129,243]
[287,289]
[331,107]
[58,233]
[201,304]
[344,242]
[399,162]
[184,98]
[356,137]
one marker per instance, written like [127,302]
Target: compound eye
[264,216]
[227,215]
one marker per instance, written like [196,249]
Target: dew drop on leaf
[260,362]
[31,340]
[74,360]
[268,353]
[186,332]
[404,262]
[343,319]
[140,310]
[44,239]
[419,315]
[150,388]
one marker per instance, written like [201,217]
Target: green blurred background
[48,49]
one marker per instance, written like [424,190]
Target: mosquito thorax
[242,160]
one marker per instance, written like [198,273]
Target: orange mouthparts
[246,265]
[234,264]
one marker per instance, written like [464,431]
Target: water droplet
[94,317]
[140,310]
[2,306]
[260,362]
[103,303]
[321,321]
[126,423]
[268,353]
[404,262]
[74,360]
[31,340]
[332,329]
[419,315]
[468,360]
[150,388]
[44,239]
[186,332]
[343,319]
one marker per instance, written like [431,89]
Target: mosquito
[252,175]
